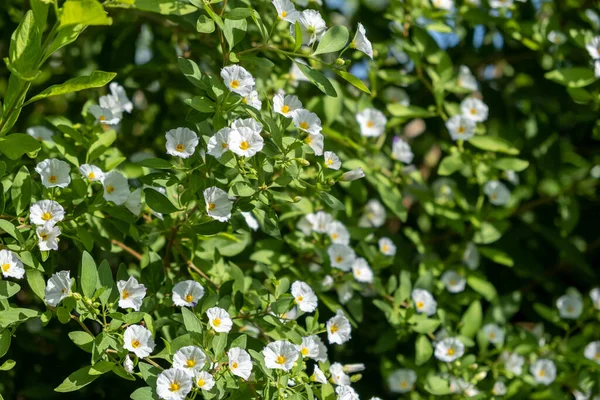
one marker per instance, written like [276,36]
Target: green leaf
[575,77]
[13,316]
[89,274]
[426,325]
[95,80]
[36,281]
[331,201]
[450,164]
[201,103]
[205,24]
[242,189]
[317,79]
[165,7]
[192,72]
[86,12]
[497,256]
[471,320]
[399,110]
[77,380]
[5,339]
[482,287]
[8,365]
[156,163]
[191,321]
[437,385]
[159,202]
[239,13]
[83,340]
[491,143]
[354,81]
[511,164]
[17,144]
[106,280]
[20,193]
[333,40]
[143,393]
[218,343]
[423,350]
[64,37]
[25,47]
[213,15]
[297,36]
[234,31]
[153,273]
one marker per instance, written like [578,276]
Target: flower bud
[352,368]
[76,296]
[128,364]
[356,378]
[87,301]
[340,61]
[96,304]
[304,162]
[297,199]
[353,175]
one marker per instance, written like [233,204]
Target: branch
[127,249]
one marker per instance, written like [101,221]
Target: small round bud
[304,162]
[297,199]
[76,296]
[340,62]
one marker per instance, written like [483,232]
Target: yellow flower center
[280,360]
[44,236]
[190,363]
[135,343]
[216,322]
[211,206]
[492,336]
[244,145]
[452,282]
[304,125]
[189,298]
[173,387]
[283,14]
[110,189]
[357,272]
[473,111]
[334,328]
[334,236]
[304,351]
[450,351]
[234,365]
[494,196]
[542,373]
[339,259]
[46,216]
[285,109]
[330,162]
[245,100]
[102,118]
[299,299]
[52,179]
[235,84]
[461,129]
[179,147]
[125,295]
[5,267]
[385,247]
[91,175]
[308,140]
[403,384]
[224,145]
[370,124]
[420,304]
[201,382]
[569,308]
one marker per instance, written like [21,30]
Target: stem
[127,249]
[153,363]
[85,328]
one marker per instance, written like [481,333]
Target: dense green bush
[256,199]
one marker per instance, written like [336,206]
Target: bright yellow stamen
[173,387]
[283,14]
[370,124]
[461,129]
[542,373]
[235,84]
[46,216]
[334,328]
[304,125]
[44,236]
[234,365]
[280,360]
[179,147]
[91,175]
[190,363]
[403,384]
[52,179]
[125,295]
[224,145]
[201,382]
[189,298]
[244,145]
[420,304]
[473,111]
[216,322]
[304,351]
[211,206]
[450,351]
[135,343]
[299,299]
[385,247]
[285,109]
[102,118]
[334,236]
[492,336]
[339,259]
[330,162]
[110,189]
[5,267]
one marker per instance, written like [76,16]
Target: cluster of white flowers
[111,108]
[593,48]
[462,127]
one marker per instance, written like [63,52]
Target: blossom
[362,271]
[40,133]
[287,105]
[58,288]
[250,220]
[138,340]
[104,116]
[513,362]
[345,392]
[54,173]
[315,142]
[46,212]
[245,142]
[280,354]
[134,201]
[252,100]
[453,282]
[118,92]
[372,122]
[402,380]
[401,151]
[592,351]
[497,192]
[111,104]
[286,10]
[204,380]
[341,256]
[569,306]
[396,95]
[304,296]
[318,376]
[449,349]
[296,75]
[424,301]
[128,364]
[349,176]
[91,172]
[189,359]
[11,265]
[344,292]
[237,79]
[338,376]
[499,388]
[500,3]
[313,347]
[338,233]
[312,25]
[116,188]
[332,161]
[218,144]
[466,80]
[219,319]
[240,362]
[593,47]
[217,202]
[360,41]
[320,221]
[353,368]
[474,109]
[595,296]
[131,293]
[386,246]
[543,371]
[557,37]
[181,142]
[48,237]
[374,215]
[307,121]
[173,384]
[338,329]
[443,4]
[460,127]
[493,333]
[187,293]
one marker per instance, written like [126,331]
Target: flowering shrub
[283,200]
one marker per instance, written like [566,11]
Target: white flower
[54,173]
[128,364]
[597,69]
[219,143]
[104,116]
[217,202]
[443,4]
[466,79]
[327,282]
[332,161]
[349,176]
[189,359]
[592,351]
[513,362]
[320,221]
[240,362]
[58,288]
[374,215]
[250,220]
[286,106]
[252,100]
[286,10]
[138,340]
[312,25]
[338,376]
[372,122]
[341,256]
[219,319]
[250,123]
[402,380]
[345,392]
[499,388]
[318,376]
[116,188]
[48,237]
[569,306]
[453,282]
[111,104]
[91,172]
[304,296]
[497,192]
[360,41]
[449,349]
[118,92]
[11,265]
[511,176]
[187,293]
[338,233]
[401,151]
[315,142]
[181,142]
[474,109]
[396,95]
[500,3]
[296,75]
[204,380]
[557,37]
[595,296]
[280,354]
[40,133]
[131,293]
[344,292]
[471,256]
[338,329]
[313,347]
[361,270]
[134,201]
[238,80]
[493,333]
[173,384]
[386,246]
[424,301]
[245,142]
[460,127]
[543,371]
[46,212]
[307,121]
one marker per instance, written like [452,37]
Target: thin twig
[191,265]
[85,328]
[127,249]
